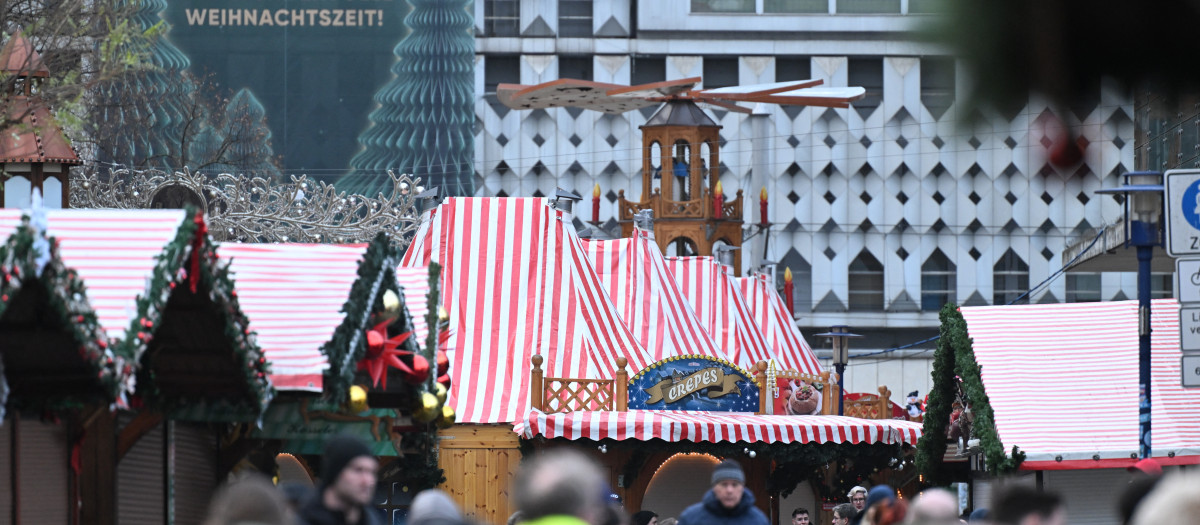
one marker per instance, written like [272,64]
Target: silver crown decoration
[257,209]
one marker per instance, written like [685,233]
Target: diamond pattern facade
[919,182]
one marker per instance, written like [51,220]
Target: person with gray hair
[843,513]
[858,497]
[560,487]
[934,507]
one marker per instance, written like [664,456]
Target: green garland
[376,274]
[171,270]
[70,311]
[955,356]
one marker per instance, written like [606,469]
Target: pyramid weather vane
[616,99]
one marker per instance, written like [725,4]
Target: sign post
[1182,211]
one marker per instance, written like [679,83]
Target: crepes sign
[712,380]
[693,383]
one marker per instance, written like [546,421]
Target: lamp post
[839,336]
[1143,206]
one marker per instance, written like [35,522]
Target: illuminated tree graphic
[424,122]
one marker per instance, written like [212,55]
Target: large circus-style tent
[548,329]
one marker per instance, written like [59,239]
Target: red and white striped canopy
[776,325]
[672,426]
[635,274]
[293,295]
[113,251]
[414,282]
[516,281]
[1062,380]
[718,302]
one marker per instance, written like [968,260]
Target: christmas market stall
[346,333]
[1050,392]
[516,283]
[117,309]
[550,352]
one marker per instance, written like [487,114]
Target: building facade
[883,211]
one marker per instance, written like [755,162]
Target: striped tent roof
[414,283]
[672,426]
[635,275]
[718,302]
[293,295]
[776,325]
[1062,380]
[113,251]
[516,281]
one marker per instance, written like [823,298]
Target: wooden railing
[564,394]
[664,208]
[869,406]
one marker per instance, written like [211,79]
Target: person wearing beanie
[347,485]
[728,503]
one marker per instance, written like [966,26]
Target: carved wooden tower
[680,184]
[34,152]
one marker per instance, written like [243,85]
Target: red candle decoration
[718,201]
[762,206]
[788,290]
[596,203]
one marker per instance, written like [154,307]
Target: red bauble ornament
[443,362]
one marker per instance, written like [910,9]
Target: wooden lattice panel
[571,395]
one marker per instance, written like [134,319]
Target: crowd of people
[564,487]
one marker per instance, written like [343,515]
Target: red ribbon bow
[197,245]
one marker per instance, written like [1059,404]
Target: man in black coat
[347,485]
[728,503]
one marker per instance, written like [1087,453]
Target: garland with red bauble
[190,260]
[20,262]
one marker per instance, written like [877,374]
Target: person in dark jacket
[728,503]
[347,486]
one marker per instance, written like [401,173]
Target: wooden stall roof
[1062,381]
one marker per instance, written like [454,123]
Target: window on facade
[1162,285]
[501,18]
[722,6]
[647,69]
[720,72]
[500,69]
[1010,279]
[795,6]
[792,68]
[937,85]
[866,283]
[575,18]
[938,281]
[578,67]
[867,73]
[801,280]
[868,6]
[1083,287]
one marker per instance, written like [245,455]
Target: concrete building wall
[894,183]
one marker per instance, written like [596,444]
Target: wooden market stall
[525,301]
[1051,392]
